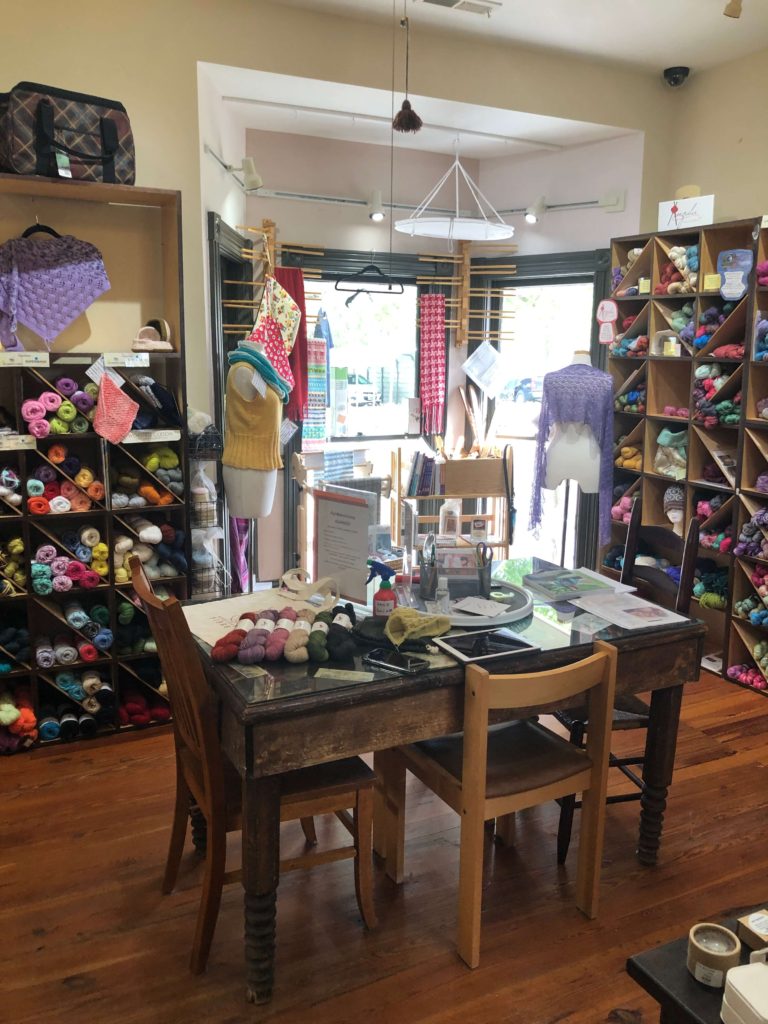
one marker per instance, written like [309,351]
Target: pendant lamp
[406,119]
[487,227]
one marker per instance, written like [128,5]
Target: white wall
[571,175]
[303,163]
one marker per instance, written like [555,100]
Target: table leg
[391,811]
[261,871]
[660,744]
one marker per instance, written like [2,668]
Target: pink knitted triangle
[115,411]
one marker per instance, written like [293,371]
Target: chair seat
[630,712]
[326,779]
[521,756]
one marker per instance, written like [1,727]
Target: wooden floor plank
[88,938]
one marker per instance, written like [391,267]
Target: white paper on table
[627,610]
[479,606]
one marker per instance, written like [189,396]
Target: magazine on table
[627,610]
[565,584]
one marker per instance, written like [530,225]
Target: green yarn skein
[317,644]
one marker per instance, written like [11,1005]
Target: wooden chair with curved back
[630,711]
[208,784]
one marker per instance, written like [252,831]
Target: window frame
[402,268]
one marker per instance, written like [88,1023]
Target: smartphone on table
[396,661]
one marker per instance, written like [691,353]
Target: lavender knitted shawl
[577,394]
[45,284]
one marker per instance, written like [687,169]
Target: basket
[207,446]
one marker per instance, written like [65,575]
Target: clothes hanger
[37,226]
[357,282]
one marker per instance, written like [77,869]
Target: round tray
[518,604]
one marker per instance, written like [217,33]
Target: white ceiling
[648,33]
[271,102]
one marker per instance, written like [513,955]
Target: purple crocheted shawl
[45,284]
[577,394]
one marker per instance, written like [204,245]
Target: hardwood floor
[87,937]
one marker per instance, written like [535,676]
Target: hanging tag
[98,369]
[259,383]
[63,166]
[287,429]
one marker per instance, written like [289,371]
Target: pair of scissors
[429,550]
[484,554]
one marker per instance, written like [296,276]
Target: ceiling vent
[486,7]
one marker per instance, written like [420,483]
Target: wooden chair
[209,784]
[486,773]
[631,712]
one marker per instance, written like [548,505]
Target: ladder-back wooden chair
[207,781]
[485,773]
[631,712]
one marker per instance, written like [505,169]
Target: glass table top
[551,626]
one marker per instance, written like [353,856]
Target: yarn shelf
[703,361]
[138,232]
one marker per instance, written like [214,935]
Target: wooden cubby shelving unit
[138,232]
[739,450]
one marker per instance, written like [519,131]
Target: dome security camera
[675,77]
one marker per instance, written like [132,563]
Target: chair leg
[178,834]
[505,829]
[308,828]
[391,833]
[210,900]
[470,887]
[568,803]
[590,849]
[363,818]
[565,826]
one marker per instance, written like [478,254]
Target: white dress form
[250,492]
[573,452]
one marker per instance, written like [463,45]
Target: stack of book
[426,478]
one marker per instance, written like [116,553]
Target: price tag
[99,368]
[259,383]
[287,429]
[17,442]
[153,436]
[126,358]
[25,359]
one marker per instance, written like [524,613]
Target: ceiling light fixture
[733,9]
[536,210]
[489,226]
[406,119]
[376,207]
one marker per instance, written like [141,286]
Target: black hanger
[357,282]
[37,226]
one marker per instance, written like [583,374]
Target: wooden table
[289,719]
[663,973]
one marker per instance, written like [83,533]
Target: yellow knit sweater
[252,429]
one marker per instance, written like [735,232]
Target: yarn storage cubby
[705,368]
[76,653]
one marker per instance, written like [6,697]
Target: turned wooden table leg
[261,871]
[199,827]
[660,745]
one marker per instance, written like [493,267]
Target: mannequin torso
[573,452]
[250,492]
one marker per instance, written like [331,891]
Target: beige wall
[145,53]
[721,144]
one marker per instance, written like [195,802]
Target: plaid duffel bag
[62,134]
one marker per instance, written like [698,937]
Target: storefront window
[371,360]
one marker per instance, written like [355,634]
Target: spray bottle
[384,600]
